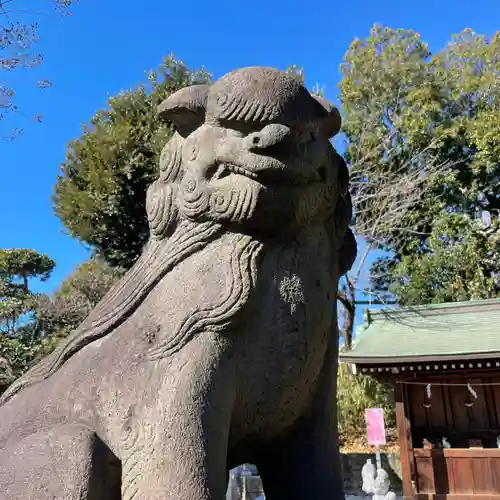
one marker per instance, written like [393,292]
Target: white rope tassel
[472,391]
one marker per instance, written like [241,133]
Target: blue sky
[107,46]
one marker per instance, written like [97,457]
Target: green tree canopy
[101,190]
[431,120]
[32,324]
[15,358]
[356,393]
[61,312]
[17,266]
[17,302]
[23,264]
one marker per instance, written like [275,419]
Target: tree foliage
[18,53]
[15,358]
[22,264]
[32,329]
[61,312]
[431,120]
[354,395]
[101,190]
[17,267]
[18,340]
[461,263]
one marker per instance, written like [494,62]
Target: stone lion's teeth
[225,169]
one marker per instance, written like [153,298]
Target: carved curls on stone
[194,198]
[171,159]
[313,201]
[233,204]
[161,206]
[161,209]
[266,95]
[186,110]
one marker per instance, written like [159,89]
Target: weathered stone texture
[219,346]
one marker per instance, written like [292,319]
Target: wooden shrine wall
[453,412]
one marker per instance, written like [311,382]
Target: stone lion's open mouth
[266,175]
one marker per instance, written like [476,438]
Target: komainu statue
[219,346]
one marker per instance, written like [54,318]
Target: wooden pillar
[405,445]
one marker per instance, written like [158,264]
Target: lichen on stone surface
[292,291]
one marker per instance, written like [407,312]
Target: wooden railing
[457,473]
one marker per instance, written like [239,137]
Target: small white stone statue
[381,487]
[445,442]
[368,475]
[498,441]
[376,482]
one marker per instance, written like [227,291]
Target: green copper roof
[453,331]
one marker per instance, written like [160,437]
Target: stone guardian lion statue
[219,346]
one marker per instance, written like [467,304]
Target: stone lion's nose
[269,138]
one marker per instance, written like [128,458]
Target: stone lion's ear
[185,108]
[330,124]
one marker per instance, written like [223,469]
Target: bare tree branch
[18,40]
[387,182]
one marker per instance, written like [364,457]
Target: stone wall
[352,463]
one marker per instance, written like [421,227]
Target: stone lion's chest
[288,328]
[196,287]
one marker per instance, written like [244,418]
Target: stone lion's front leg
[63,462]
[305,463]
[178,449]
